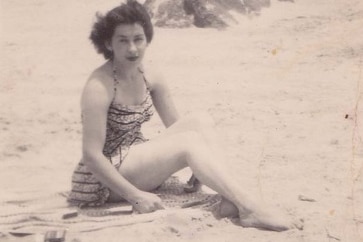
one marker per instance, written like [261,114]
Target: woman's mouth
[132,58]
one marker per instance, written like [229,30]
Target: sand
[285,90]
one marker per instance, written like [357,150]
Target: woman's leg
[201,124]
[149,164]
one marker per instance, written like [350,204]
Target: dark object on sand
[193,185]
[55,236]
[200,13]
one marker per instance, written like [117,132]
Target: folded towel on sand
[54,213]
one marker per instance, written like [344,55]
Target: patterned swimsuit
[123,130]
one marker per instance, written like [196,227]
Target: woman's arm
[168,113]
[162,100]
[95,101]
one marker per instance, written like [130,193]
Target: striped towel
[54,213]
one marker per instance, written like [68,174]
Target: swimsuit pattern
[123,131]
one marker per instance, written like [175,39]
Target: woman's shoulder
[100,77]
[99,84]
[102,74]
[153,75]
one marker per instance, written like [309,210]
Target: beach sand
[284,88]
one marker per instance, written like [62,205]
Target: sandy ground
[285,90]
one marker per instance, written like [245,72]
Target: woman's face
[128,44]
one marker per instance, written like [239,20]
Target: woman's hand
[146,202]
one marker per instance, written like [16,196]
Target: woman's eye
[123,40]
[139,40]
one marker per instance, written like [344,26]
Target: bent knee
[192,140]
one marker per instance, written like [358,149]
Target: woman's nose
[132,47]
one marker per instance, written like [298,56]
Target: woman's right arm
[95,101]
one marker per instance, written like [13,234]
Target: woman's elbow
[90,157]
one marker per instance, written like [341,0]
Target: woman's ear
[108,46]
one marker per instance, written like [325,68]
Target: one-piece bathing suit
[123,131]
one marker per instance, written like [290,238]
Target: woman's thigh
[149,164]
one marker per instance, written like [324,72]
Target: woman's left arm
[163,100]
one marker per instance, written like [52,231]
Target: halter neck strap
[116,81]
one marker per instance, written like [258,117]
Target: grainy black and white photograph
[181,120]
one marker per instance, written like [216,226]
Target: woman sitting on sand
[118,162]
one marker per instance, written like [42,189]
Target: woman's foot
[268,221]
[262,220]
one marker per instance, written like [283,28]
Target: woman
[118,162]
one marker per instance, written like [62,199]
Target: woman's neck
[125,72]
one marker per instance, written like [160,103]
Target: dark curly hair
[130,12]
